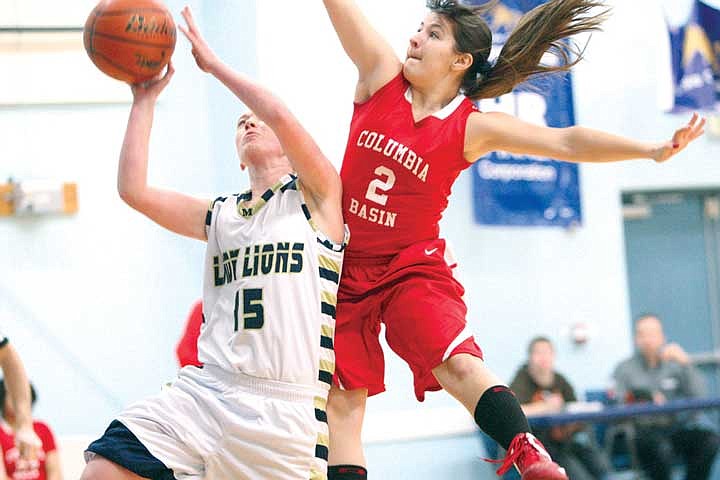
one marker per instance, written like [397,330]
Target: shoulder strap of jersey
[391,91]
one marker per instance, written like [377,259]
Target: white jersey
[270,289]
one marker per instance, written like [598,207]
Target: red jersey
[34,470]
[187,350]
[397,174]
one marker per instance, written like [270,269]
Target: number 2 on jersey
[253,314]
[381,185]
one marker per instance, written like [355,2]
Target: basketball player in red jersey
[414,129]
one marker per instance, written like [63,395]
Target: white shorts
[212,424]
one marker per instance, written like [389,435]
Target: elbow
[131,196]
[575,146]
[568,148]
[126,194]
[276,115]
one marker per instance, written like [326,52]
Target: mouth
[413,56]
[247,136]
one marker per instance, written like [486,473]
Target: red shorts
[415,295]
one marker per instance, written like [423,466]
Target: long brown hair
[545,28]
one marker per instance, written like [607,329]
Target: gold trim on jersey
[329,264]
[327,331]
[315,475]
[327,366]
[329,298]
[322,447]
[323,440]
[320,403]
[244,211]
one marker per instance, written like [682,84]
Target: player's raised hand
[682,137]
[204,56]
[152,88]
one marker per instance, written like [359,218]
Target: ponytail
[546,28]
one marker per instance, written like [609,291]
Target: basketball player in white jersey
[256,410]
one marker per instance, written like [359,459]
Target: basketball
[130,40]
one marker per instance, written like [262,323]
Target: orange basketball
[131,40]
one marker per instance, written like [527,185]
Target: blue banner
[511,189]
[695,50]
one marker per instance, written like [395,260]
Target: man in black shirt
[541,390]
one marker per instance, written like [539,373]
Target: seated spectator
[541,390]
[186,350]
[46,464]
[659,372]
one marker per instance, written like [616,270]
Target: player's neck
[265,176]
[426,101]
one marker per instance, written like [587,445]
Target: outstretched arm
[179,213]
[488,132]
[318,176]
[374,58]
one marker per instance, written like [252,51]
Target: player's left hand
[152,88]
[682,137]
[204,56]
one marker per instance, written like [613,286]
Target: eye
[434,35]
[241,123]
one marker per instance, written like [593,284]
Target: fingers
[694,128]
[190,31]
[185,32]
[170,71]
[28,443]
[187,15]
[694,125]
[161,79]
[698,129]
[27,451]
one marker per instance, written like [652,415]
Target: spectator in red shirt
[46,465]
[186,350]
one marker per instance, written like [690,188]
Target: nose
[250,123]
[415,40]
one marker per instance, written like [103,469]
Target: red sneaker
[531,459]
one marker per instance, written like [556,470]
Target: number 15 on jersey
[253,314]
